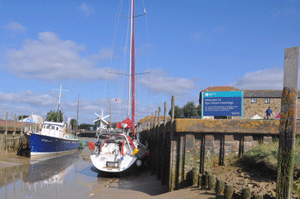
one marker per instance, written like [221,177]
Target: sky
[186,46]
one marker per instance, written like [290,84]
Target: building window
[253,100]
[267,100]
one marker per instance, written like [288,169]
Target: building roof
[220,88]
[264,93]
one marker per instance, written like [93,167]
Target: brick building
[256,101]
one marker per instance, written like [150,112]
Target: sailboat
[52,140]
[115,152]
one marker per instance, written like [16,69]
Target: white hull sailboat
[118,152]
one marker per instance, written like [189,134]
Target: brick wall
[259,108]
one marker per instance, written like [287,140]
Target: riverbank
[144,185]
[11,159]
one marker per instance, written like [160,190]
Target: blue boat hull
[46,145]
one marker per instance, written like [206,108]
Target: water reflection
[55,177]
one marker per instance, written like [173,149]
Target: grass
[263,160]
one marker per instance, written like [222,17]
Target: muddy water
[68,176]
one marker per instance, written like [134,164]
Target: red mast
[133,72]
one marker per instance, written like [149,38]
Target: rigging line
[115,32]
[148,53]
[124,63]
[116,25]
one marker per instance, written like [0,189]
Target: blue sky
[186,45]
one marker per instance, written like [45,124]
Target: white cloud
[160,82]
[16,27]
[261,80]
[50,58]
[18,110]
[28,97]
[86,10]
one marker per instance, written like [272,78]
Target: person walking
[268,112]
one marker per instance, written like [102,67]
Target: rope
[148,53]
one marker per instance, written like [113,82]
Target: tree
[85,126]
[189,110]
[199,110]
[24,116]
[73,123]
[52,116]
[177,112]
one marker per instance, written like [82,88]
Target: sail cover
[127,123]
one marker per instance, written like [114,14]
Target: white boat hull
[112,162]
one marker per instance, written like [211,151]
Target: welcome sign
[222,103]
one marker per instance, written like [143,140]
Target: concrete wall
[19,145]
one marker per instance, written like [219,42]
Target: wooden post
[159,151]
[241,146]
[153,161]
[14,133]
[202,154]
[287,127]
[76,126]
[172,174]
[148,130]
[6,118]
[180,160]
[222,150]
[164,147]
[21,125]
[5,134]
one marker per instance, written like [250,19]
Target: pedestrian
[269,112]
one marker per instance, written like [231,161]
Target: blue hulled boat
[52,140]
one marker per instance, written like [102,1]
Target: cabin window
[267,100]
[48,127]
[253,100]
[56,128]
[52,127]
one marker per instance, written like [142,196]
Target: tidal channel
[70,176]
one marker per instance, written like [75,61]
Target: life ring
[91,146]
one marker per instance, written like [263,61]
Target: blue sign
[29,120]
[222,103]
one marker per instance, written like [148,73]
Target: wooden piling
[258,197]
[14,133]
[241,146]
[287,127]
[180,161]
[154,149]
[220,187]
[195,175]
[5,134]
[173,144]
[159,151]
[164,148]
[200,180]
[6,118]
[202,154]
[228,192]
[21,125]
[246,193]
[222,150]
[212,182]
[207,173]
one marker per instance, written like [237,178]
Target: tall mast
[130,61]
[76,128]
[60,94]
[132,68]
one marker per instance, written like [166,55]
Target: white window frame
[253,100]
[267,100]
